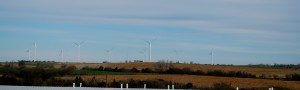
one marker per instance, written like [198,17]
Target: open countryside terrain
[196,79]
[203,80]
[200,80]
[257,71]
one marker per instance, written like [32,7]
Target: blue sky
[238,31]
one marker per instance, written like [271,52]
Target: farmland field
[257,71]
[120,72]
[206,81]
[88,72]
[198,80]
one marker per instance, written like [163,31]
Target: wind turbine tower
[143,54]
[150,44]
[108,54]
[212,57]
[143,57]
[78,44]
[34,57]
[177,55]
[28,51]
[61,55]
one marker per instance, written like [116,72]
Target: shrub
[8,80]
[21,63]
[162,66]
[123,70]
[67,71]
[59,82]
[262,76]
[189,86]
[198,72]
[63,66]
[92,83]
[215,73]
[187,70]
[108,69]
[293,77]
[116,69]
[222,86]
[101,68]
[134,70]
[146,70]
[44,65]
[79,80]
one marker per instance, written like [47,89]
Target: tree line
[26,76]
[189,71]
[44,75]
[278,66]
[173,70]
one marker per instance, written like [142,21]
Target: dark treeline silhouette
[44,74]
[278,66]
[32,61]
[173,70]
[188,71]
[160,67]
[293,77]
[33,76]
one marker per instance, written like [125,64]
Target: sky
[237,31]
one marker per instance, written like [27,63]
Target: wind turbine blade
[76,43]
[34,43]
[61,52]
[175,51]
[154,39]
[82,42]
[111,49]
[147,41]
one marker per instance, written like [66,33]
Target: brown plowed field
[257,71]
[198,80]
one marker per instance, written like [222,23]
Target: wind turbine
[143,53]
[61,55]
[212,57]
[150,43]
[34,57]
[127,57]
[177,55]
[28,51]
[108,54]
[78,44]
